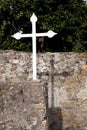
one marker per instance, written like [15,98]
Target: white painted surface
[19,35]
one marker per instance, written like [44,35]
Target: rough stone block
[22,106]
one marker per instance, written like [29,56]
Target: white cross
[19,35]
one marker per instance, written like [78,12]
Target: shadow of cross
[53,113]
[52,74]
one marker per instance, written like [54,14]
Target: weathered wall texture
[22,106]
[66,77]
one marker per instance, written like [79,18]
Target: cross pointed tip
[17,36]
[51,34]
[33,13]
[33,18]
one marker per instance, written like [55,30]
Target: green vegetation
[66,17]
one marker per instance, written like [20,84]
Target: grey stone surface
[67,90]
[21,106]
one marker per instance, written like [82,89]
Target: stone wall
[65,78]
[22,106]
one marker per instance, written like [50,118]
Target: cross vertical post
[19,35]
[33,19]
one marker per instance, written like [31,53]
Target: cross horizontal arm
[36,34]
[19,35]
[48,34]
